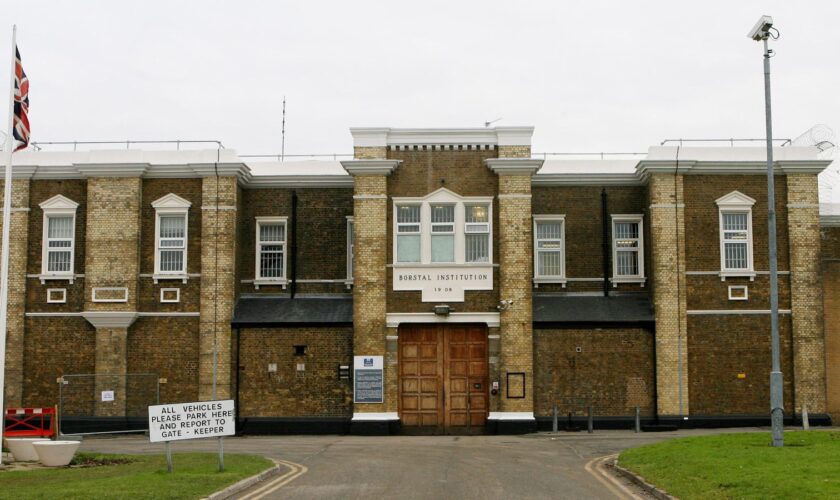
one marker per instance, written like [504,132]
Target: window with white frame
[736,248]
[628,247]
[443,228]
[350,248]
[171,228]
[271,248]
[476,233]
[549,247]
[408,233]
[59,236]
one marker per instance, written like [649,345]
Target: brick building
[475,286]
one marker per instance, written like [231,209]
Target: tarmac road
[540,465]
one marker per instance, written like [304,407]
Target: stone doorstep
[246,483]
[640,482]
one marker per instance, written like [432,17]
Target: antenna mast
[283,133]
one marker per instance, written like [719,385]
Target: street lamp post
[762,32]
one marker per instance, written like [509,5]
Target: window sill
[183,277]
[270,282]
[737,274]
[441,264]
[640,281]
[557,280]
[70,278]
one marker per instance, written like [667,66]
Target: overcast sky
[591,76]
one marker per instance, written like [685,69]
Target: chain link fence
[105,403]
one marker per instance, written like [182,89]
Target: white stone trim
[745,288]
[183,277]
[370,167]
[370,197]
[123,289]
[220,207]
[51,314]
[110,319]
[171,204]
[149,314]
[58,206]
[375,417]
[721,312]
[17,209]
[492,319]
[830,220]
[667,205]
[62,300]
[169,301]
[803,205]
[504,166]
[718,273]
[511,415]
[736,202]
[515,196]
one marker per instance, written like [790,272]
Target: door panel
[443,378]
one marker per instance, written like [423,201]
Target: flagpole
[4,263]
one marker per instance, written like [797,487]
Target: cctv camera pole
[776,403]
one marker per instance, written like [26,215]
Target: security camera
[761,28]
[504,305]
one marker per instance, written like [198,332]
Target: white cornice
[514,165]
[370,167]
[110,319]
[487,136]
[830,220]
[594,179]
[111,170]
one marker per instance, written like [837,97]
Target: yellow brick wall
[218,285]
[369,153]
[514,151]
[667,223]
[18,242]
[806,293]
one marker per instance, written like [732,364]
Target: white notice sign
[443,284]
[179,421]
[107,395]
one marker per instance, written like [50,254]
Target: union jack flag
[21,124]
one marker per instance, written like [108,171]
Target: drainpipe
[605,248]
[293,235]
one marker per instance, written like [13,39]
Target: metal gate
[106,403]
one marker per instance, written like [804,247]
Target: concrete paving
[540,465]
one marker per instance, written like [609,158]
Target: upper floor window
[628,248]
[350,247]
[549,248]
[171,217]
[271,248]
[59,240]
[736,246]
[443,228]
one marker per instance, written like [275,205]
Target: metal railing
[731,141]
[38,145]
[282,157]
[602,155]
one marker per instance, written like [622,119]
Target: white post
[4,263]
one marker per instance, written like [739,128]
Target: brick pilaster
[667,223]
[18,241]
[112,259]
[218,290]
[806,293]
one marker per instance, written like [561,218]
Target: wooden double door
[443,378]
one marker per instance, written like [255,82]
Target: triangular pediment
[443,194]
[735,199]
[171,201]
[59,202]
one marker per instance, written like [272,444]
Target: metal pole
[638,426]
[554,422]
[283,133]
[777,411]
[806,424]
[168,458]
[221,455]
[7,209]
[589,426]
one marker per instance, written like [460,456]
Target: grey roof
[635,308]
[256,311]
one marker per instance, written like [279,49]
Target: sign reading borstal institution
[204,419]
[367,379]
[443,284]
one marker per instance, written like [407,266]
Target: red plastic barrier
[29,422]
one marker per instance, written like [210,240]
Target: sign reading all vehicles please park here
[191,420]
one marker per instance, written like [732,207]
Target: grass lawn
[195,475]
[742,466]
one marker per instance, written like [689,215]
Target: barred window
[172,243]
[59,244]
[549,247]
[476,233]
[408,233]
[628,257]
[271,249]
[735,238]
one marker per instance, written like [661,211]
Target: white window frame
[443,196]
[170,205]
[351,232]
[453,233]
[397,232]
[258,279]
[550,279]
[637,278]
[482,228]
[58,206]
[736,203]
